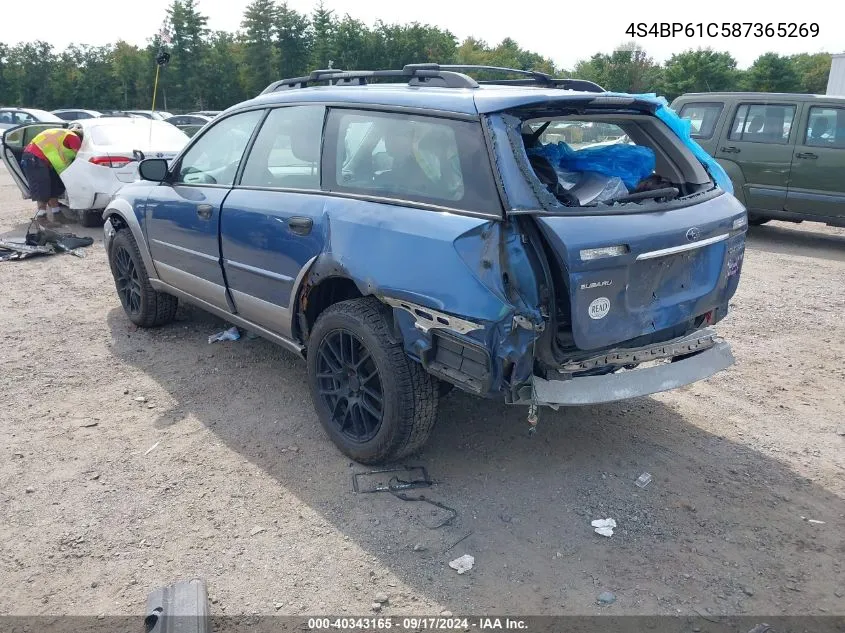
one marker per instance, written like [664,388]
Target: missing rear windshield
[610,160]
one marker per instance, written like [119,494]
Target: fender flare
[123,210]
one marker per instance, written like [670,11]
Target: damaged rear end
[621,245]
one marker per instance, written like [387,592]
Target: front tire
[756,220]
[375,403]
[143,305]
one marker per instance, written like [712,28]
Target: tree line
[211,70]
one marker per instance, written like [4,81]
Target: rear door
[816,184]
[14,141]
[759,140]
[271,226]
[183,214]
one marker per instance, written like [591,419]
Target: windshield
[139,134]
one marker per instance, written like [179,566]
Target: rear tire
[143,305]
[90,218]
[375,403]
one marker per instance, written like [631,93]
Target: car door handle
[204,211]
[806,155]
[300,226]
[729,149]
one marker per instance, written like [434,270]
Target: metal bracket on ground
[394,484]
[179,608]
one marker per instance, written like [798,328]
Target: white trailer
[836,79]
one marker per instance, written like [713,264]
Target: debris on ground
[604,526]
[462,564]
[182,606]
[460,540]
[606,597]
[43,242]
[140,399]
[643,480]
[381,598]
[375,606]
[151,448]
[257,530]
[379,480]
[232,334]
[815,521]
[449,516]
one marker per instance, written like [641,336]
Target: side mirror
[153,169]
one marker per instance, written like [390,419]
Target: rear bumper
[633,383]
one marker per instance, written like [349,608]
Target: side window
[214,158]
[419,158]
[702,117]
[826,127]
[286,154]
[761,123]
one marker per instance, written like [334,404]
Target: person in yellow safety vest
[44,159]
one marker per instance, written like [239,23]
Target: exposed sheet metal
[427,319]
[695,342]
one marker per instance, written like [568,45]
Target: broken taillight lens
[110,161]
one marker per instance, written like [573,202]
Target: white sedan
[12,117]
[111,149]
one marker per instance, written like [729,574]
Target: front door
[760,140]
[816,184]
[183,214]
[14,141]
[271,227]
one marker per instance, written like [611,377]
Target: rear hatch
[629,276]
[629,272]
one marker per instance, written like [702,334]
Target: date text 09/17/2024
[723,29]
[416,624]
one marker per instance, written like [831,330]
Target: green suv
[784,152]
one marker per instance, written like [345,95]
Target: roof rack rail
[533,77]
[440,75]
[417,75]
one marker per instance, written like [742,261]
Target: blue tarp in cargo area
[631,163]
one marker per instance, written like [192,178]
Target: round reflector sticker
[599,308]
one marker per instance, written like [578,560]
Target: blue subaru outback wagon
[536,240]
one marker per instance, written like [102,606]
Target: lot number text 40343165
[723,29]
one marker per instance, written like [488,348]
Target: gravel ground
[130,459]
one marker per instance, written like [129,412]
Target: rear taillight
[110,161]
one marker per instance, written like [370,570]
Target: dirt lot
[222,470]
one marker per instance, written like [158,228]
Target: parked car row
[190,123]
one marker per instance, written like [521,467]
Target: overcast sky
[564,31]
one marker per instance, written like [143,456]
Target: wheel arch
[318,293]
[120,214]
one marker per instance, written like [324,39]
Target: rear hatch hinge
[525,323]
